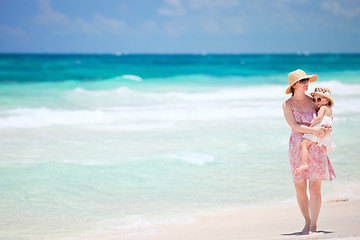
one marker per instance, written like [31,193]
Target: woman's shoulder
[288,104]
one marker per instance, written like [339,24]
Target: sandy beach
[338,219]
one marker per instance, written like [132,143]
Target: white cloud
[100,24]
[84,26]
[212,20]
[226,25]
[147,27]
[48,16]
[109,24]
[169,28]
[211,26]
[350,11]
[200,4]
[175,28]
[172,8]
[62,24]
[234,25]
[236,17]
[6,30]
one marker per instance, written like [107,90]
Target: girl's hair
[330,104]
[320,90]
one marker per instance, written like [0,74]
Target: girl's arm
[328,113]
[321,114]
[290,119]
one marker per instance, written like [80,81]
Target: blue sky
[179,26]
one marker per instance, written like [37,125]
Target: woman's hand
[320,132]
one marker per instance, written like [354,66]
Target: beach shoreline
[339,218]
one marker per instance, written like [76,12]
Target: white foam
[341,95]
[271,92]
[132,77]
[101,93]
[337,191]
[140,226]
[42,117]
[219,94]
[194,158]
[133,127]
[151,117]
[337,88]
[129,116]
[129,110]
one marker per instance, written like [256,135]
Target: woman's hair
[292,90]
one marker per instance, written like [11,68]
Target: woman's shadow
[302,234]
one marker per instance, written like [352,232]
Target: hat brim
[312,78]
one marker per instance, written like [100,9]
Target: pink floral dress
[320,168]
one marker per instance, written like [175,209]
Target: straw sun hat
[324,92]
[296,76]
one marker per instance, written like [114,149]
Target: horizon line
[305,53]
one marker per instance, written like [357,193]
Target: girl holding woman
[299,113]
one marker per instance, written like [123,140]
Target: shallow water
[112,145]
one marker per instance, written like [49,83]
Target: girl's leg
[303,202]
[304,155]
[315,203]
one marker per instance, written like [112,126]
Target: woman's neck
[299,96]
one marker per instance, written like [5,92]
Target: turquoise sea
[111,146]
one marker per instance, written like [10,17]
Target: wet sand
[338,219]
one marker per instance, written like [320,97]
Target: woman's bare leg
[304,155]
[315,203]
[303,202]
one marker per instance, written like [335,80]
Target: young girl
[322,103]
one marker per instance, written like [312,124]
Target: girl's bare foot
[305,230]
[301,168]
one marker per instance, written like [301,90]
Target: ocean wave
[127,118]
[133,127]
[339,191]
[220,93]
[134,110]
[126,77]
[194,158]
[215,94]
[337,88]
[101,93]
[132,77]
[139,226]
[42,117]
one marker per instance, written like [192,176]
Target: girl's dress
[320,168]
[327,141]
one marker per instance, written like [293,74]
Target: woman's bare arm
[290,119]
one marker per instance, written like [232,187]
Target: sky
[179,26]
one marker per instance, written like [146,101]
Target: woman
[299,113]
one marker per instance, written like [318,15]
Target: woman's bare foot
[301,168]
[313,229]
[305,230]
